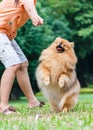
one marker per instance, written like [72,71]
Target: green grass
[80,118]
[86,90]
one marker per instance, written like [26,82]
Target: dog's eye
[64,45]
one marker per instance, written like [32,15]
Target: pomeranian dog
[56,75]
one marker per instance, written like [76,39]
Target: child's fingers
[37,20]
[35,23]
[40,20]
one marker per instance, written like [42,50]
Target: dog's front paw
[46,80]
[61,82]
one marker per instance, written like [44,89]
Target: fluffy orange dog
[56,76]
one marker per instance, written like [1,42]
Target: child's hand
[32,12]
[37,20]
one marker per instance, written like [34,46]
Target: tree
[80,16]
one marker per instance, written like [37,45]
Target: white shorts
[10,52]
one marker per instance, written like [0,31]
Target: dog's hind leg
[65,110]
[70,97]
[72,101]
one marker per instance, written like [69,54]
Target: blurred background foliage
[70,19]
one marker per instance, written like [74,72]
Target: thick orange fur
[56,75]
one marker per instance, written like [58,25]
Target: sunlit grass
[80,118]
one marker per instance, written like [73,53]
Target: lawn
[80,118]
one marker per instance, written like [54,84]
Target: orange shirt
[13,17]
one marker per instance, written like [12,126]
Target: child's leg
[25,85]
[23,78]
[11,61]
[6,84]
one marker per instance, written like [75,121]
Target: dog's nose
[60,45]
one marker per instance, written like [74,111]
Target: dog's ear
[58,38]
[41,56]
[44,55]
[72,44]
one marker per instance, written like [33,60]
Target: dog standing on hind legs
[56,76]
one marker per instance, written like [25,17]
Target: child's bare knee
[24,66]
[15,68]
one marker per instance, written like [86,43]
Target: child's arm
[32,12]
